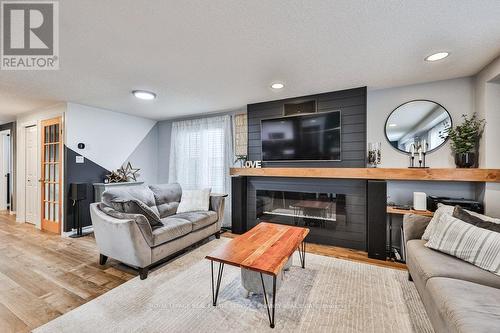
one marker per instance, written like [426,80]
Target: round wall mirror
[417,123]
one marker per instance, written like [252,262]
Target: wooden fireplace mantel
[431,174]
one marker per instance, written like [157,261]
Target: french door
[51,174]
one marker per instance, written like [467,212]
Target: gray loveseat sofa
[130,238]
[458,296]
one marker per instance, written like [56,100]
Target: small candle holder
[419,149]
[374,154]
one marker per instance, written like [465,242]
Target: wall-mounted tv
[312,137]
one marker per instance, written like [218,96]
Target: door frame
[4,196]
[21,165]
[46,224]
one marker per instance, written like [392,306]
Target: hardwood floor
[43,275]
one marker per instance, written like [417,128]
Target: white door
[31,177]
[4,167]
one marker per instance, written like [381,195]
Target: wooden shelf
[431,174]
[396,211]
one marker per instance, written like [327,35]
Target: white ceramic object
[419,201]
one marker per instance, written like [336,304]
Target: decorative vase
[465,160]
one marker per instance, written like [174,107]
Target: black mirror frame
[416,100]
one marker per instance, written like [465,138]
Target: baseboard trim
[87,229]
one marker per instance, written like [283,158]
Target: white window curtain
[201,154]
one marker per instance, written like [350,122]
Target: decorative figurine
[374,154]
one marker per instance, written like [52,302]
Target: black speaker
[239,204]
[78,191]
[376,213]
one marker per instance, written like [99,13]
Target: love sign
[253,164]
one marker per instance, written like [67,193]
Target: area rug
[329,295]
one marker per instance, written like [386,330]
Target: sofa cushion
[173,228]
[199,219]
[428,263]
[466,306]
[141,220]
[167,198]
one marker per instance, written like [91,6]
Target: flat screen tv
[312,137]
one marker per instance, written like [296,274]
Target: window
[201,155]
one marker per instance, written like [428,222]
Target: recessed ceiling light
[393,125]
[277,85]
[437,56]
[143,94]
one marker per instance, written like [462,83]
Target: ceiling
[205,56]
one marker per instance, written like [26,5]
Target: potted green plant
[465,140]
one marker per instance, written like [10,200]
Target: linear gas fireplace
[322,213]
[333,210]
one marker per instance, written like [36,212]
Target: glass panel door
[51,175]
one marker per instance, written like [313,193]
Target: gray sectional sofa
[458,296]
[131,239]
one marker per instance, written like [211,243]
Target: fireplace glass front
[323,213]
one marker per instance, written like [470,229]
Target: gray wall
[164,134]
[145,157]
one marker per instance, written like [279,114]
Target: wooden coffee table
[264,249]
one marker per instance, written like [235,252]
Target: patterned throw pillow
[134,206]
[465,241]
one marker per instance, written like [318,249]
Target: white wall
[487,105]
[24,120]
[109,137]
[455,95]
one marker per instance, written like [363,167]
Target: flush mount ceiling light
[277,85]
[143,94]
[437,56]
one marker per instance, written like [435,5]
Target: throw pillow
[442,209]
[477,246]
[194,200]
[448,210]
[134,206]
[463,215]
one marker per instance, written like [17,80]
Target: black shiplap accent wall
[351,103]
